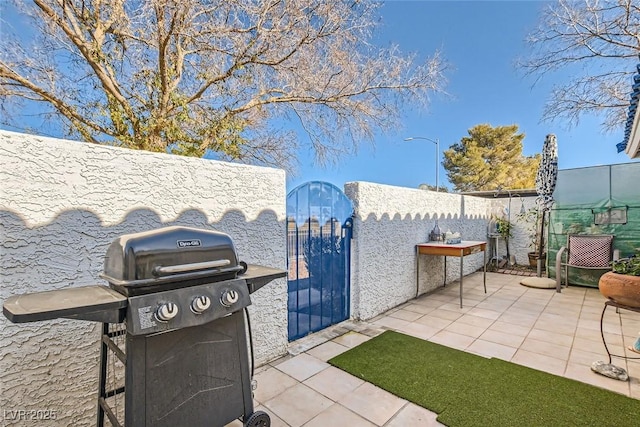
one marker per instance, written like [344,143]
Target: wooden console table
[462,249]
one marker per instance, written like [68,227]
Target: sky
[481,40]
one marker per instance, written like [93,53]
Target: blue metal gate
[319,225]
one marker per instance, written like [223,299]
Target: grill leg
[245,373]
[102,379]
[108,345]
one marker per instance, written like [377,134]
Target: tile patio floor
[539,328]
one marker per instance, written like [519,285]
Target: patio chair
[584,251]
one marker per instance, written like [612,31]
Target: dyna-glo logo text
[189,243]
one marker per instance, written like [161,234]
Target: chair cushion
[590,251]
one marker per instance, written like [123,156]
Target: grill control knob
[166,311]
[200,304]
[229,297]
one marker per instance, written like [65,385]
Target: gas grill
[176,341]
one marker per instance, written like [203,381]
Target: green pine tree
[490,157]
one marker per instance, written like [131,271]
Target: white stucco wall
[389,222]
[63,202]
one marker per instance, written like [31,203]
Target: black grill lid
[169,254]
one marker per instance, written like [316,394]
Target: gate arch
[319,226]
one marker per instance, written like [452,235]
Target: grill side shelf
[257,276]
[94,303]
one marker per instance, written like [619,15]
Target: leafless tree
[230,76]
[597,42]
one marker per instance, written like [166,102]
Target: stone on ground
[610,370]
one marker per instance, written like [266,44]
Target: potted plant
[622,283]
[503,227]
[504,230]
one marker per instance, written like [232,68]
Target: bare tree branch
[599,42]
[193,76]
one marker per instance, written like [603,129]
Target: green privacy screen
[595,200]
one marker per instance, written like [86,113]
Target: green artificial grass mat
[469,390]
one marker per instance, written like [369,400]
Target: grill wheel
[258,419]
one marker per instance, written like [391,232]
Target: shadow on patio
[554,332]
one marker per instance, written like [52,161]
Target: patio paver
[553,332]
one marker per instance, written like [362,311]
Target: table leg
[606,347]
[417,271]
[602,332]
[444,281]
[484,273]
[461,274]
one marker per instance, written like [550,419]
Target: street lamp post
[437,142]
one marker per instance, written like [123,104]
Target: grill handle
[183,268]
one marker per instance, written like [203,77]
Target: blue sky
[481,40]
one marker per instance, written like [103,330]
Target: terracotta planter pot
[621,288]
[533,259]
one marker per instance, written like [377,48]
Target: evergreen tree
[490,158]
[441,188]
